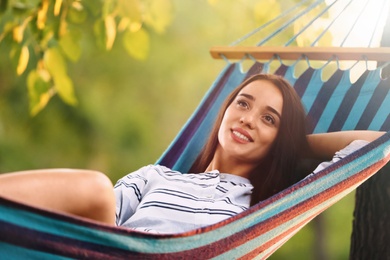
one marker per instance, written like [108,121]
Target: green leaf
[64,86]
[70,45]
[23,60]
[39,92]
[110,26]
[137,43]
[56,66]
[54,62]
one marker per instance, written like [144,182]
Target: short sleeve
[128,194]
[353,146]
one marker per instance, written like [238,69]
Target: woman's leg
[80,192]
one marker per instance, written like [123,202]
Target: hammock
[335,104]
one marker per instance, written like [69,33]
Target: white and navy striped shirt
[158,199]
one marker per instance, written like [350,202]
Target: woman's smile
[241,136]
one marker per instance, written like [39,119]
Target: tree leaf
[39,92]
[137,43]
[64,86]
[70,45]
[110,26]
[18,31]
[57,7]
[42,14]
[54,62]
[23,60]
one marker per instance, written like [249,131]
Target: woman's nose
[247,120]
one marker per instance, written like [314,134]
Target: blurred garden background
[128,98]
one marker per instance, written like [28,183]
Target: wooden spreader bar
[294,53]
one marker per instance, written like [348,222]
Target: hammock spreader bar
[294,53]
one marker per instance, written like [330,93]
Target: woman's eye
[242,104]
[269,119]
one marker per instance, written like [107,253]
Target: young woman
[257,141]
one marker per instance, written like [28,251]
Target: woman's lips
[241,135]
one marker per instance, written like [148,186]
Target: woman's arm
[324,146]
[80,192]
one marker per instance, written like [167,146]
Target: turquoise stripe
[333,104]
[381,115]
[313,87]
[362,101]
[289,76]
[14,253]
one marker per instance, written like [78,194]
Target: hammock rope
[289,22]
[310,23]
[284,14]
[331,23]
[354,23]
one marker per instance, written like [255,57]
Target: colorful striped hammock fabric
[27,232]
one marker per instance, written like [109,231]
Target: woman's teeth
[241,136]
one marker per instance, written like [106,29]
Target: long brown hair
[277,170]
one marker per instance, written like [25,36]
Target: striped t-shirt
[158,199]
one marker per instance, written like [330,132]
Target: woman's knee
[99,196]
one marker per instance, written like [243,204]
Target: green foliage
[46,34]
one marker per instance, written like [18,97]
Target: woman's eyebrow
[248,96]
[273,110]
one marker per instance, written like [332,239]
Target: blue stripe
[361,102]
[312,90]
[381,121]
[377,109]
[333,103]
[344,111]
[322,99]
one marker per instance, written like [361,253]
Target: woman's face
[251,123]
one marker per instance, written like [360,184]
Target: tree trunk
[371,225]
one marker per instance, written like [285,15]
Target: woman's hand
[324,146]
